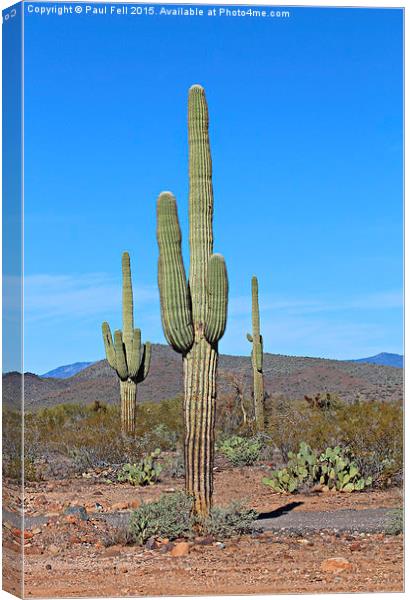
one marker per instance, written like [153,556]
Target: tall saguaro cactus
[126,355]
[257,359]
[194,312]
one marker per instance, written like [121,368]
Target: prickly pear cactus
[125,354]
[257,359]
[194,312]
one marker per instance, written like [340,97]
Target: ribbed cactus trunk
[125,354]
[257,360]
[194,315]
[128,394]
[199,415]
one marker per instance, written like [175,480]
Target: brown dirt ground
[231,484]
[68,557]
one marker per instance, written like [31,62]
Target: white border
[312,3]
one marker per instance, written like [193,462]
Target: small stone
[48,567]
[335,565]
[123,569]
[163,540]
[220,545]
[204,541]
[166,547]
[169,490]
[152,544]
[180,549]
[53,549]
[36,531]
[355,546]
[77,511]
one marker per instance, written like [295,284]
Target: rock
[120,506]
[166,547]
[40,500]
[204,541]
[335,565]
[77,511]
[53,549]
[32,550]
[48,567]
[355,546]
[220,545]
[163,541]
[123,569]
[36,530]
[180,549]
[152,544]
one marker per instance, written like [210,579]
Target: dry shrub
[373,431]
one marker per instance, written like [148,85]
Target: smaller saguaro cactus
[257,359]
[125,354]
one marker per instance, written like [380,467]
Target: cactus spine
[194,312]
[125,354]
[257,359]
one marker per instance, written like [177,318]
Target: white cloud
[89,295]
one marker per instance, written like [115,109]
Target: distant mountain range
[67,370]
[384,358]
[289,377]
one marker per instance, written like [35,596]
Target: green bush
[241,451]
[395,522]
[171,517]
[334,468]
[146,472]
[232,520]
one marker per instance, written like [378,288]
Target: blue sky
[306,134]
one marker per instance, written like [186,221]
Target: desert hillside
[291,376]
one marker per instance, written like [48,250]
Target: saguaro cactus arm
[134,354]
[175,302]
[145,362]
[217,299]
[121,361]
[109,345]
